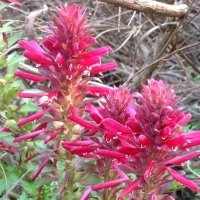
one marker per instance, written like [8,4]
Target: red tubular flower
[32,117]
[65,61]
[146,128]
[7,147]
[182,180]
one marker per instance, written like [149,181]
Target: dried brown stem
[151,7]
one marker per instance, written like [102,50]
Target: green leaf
[3,61]
[16,84]
[175,185]
[2,184]
[2,45]
[6,5]
[14,38]
[12,92]
[29,187]
[12,124]
[5,134]
[13,62]
[90,179]
[29,108]
[95,195]
[6,29]
[10,77]
[23,196]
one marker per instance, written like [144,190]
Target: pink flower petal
[78,143]
[94,113]
[98,52]
[153,196]
[97,91]
[181,159]
[31,77]
[42,165]
[109,184]
[182,180]
[144,141]
[31,95]
[103,68]
[7,147]
[149,169]
[81,122]
[53,135]
[86,194]
[90,61]
[110,154]
[129,150]
[175,142]
[115,126]
[29,135]
[130,188]
[83,150]
[32,117]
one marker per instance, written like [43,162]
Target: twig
[158,60]
[151,7]
[15,185]
[28,68]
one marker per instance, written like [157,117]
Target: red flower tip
[144,141]
[33,117]
[42,165]
[7,147]
[32,77]
[31,135]
[16,2]
[182,180]
[130,188]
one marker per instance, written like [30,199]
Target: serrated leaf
[6,29]
[14,38]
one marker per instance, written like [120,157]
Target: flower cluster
[140,133]
[126,133]
[63,59]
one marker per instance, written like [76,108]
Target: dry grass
[133,37]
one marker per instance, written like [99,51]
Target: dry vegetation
[144,45]
[138,42]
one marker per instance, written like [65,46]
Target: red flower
[142,132]
[65,61]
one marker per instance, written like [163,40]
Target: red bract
[65,60]
[141,132]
